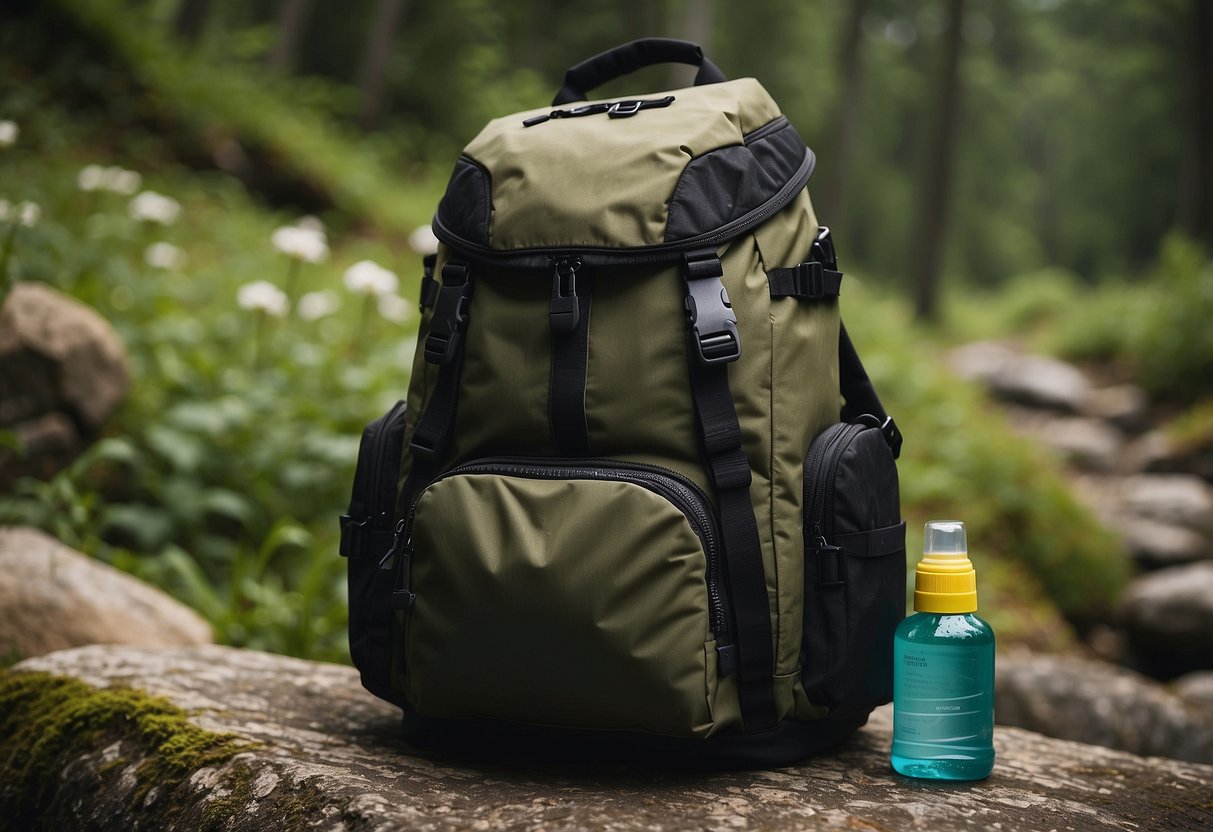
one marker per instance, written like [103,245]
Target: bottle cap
[945,580]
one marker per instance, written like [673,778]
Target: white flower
[310,223]
[395,308]
[28,214]
[122,181]
[423,241]
[263,296]
[91,178]
[23,213]
[9,131]
[116,179]
[369,278]
[153,207]
[164,256]
[303,244]
[316,305]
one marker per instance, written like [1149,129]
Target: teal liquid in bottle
[943,673]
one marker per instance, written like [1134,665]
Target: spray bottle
[943,672]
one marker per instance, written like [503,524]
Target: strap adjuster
[351,536]
[450,315]
[429,286]
[709,312]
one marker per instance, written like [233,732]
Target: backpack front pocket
[566,593]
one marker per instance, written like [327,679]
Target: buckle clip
[450,315]
[565,311]
[892,435]
[823,249]
[709,312]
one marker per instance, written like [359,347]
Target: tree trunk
[388,14]
[1196,171]
[697,20]
[191,19]
[927,245]
[845,119]
[292,18]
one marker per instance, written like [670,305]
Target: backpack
[641,489]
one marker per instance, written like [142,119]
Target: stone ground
[328,756]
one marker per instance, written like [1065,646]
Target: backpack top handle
[629,57]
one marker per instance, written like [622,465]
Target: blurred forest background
[1032,169]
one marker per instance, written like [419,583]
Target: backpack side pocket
[854,592]
[367,533]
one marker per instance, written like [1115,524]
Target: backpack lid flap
[641,174]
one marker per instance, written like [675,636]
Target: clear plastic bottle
[943,672]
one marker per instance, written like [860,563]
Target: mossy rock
[233,739]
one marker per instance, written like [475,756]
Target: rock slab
[62,374]
[327,756]
[53,597]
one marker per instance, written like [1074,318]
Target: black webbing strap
[712,328]
[805,281]
[444,348]
[859,396]
[570,322]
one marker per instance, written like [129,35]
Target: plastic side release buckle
[823,249]
[565,311]
[892,435]
[450,315]
[709,311]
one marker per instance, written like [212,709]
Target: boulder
[1148,522]
[62,374]
[52,597]
[1033,380]
[1196,691]
[1180,499]
[1168,618]
[241,740]
[1086,444]
[1101,704]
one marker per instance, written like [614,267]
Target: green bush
[962,461]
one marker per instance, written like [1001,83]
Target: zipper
[376,454]
[689,498]
[773,126]
[822,464]
[638,255]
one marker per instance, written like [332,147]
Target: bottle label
[943,702]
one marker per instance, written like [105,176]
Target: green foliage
[1157,328]
[223,474]
[962,461]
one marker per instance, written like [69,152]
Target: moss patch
[48,721]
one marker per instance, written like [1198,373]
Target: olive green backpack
[641,489]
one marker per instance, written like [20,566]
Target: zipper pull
[389,557]
[818,538]
[565,312]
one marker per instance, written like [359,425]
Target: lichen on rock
[53,722]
